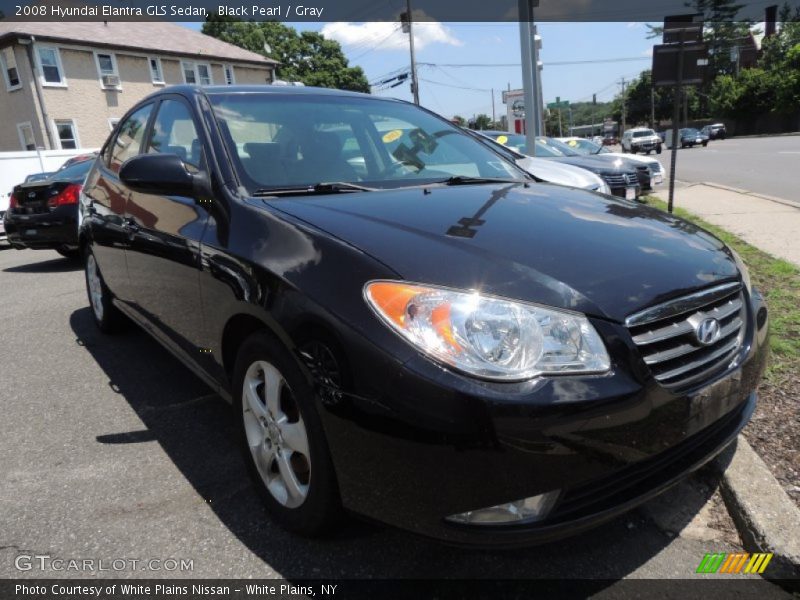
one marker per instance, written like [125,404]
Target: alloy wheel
[276,434]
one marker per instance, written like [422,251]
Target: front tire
[282,440]
[107,317]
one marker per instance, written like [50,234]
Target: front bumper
[644,146]
[416,444]
[53,229]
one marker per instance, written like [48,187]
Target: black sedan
[690,137]
[621,175]
[408,326]
[44,214]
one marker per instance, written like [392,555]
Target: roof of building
[157,37]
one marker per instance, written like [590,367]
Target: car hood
[597,164]
[543,243]
[642,160]
[560,173]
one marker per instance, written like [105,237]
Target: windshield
[643,133]
[290,140]
[689,131]
[556,146]
[586,147]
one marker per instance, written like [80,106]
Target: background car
[586,147]
[688,137]
[621,176]
[715,131]
[44,214]
[547,170]
[641,139]
[610,140]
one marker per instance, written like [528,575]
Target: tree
[307,57]
[459,120]
[483,122]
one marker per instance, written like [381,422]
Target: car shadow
[55,265]
[195,428]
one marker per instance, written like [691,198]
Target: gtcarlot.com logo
[45,562]
[737,562]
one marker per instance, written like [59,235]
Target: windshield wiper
[464,180]
[326,187]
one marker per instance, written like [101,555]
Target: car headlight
[742,269]
[488,337]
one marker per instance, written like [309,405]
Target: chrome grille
[618,180]
[665,335]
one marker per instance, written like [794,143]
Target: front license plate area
[713,402]
[630,193]
[658,179]
[30,232]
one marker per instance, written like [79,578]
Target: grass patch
[779,282]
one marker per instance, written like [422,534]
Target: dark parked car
[620,175]
[428,338]
[716,131]
[44,214]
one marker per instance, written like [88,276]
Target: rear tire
[106,316]
[281,437]
[69,252]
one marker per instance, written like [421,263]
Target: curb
[766,518]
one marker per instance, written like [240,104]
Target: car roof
[210,90]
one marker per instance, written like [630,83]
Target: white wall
[15,166]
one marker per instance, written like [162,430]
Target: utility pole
[530,75]
[408,27]
[494,119]
[675,118]
[623,82]
[653,107]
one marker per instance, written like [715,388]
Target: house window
[26,139]
[67,134]
[156,74]
[196,73]
[204,74]
[229,78]
[8,62]
[188,73]
[107,69]
[50,62]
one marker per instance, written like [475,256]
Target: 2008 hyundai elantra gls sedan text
[408,326]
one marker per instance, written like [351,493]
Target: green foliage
[308,56]
[772,87]
[483,122]
[459,120]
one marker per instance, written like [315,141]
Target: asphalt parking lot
[112,449]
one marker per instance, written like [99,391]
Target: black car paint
[412,441]
[35,225]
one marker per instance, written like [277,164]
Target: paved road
[764,165]
[112,449]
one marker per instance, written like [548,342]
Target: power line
[458,87]
[546,64]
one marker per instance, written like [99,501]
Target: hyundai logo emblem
[707,332]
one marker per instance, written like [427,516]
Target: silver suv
[641,139]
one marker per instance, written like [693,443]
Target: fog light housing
[526,510]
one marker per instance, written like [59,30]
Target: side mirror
[163,174]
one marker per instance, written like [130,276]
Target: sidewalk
[771,225]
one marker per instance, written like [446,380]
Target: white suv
[641,139]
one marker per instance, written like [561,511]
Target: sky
[380,49]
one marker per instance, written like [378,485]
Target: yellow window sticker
[391,136]
[502,139]
[572,143]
